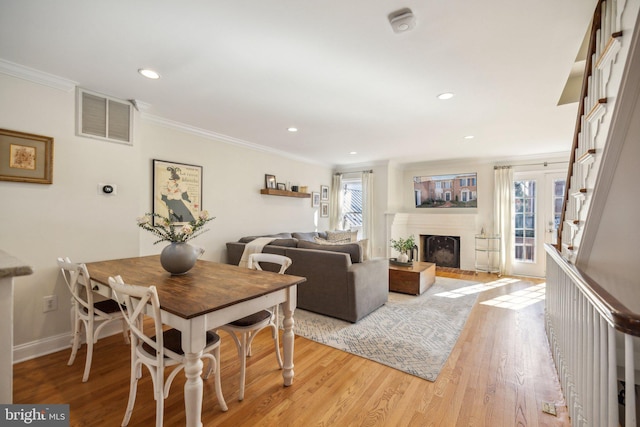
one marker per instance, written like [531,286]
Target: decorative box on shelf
[284,193]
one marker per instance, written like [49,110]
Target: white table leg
[193,389]
[287,339]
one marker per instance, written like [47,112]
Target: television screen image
[446,191]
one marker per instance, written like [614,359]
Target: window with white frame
[351,209]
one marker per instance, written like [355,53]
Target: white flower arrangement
[167,231]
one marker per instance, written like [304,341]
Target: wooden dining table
[210,295]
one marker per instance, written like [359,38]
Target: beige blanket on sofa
[254,247]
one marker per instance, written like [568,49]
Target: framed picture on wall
[324,210]
[25,157]
[315,199]
[459,190]
[324,192]
[177,191]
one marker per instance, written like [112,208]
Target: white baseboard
[34,349]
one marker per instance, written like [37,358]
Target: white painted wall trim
[203,133]
[36,76]
[53,344]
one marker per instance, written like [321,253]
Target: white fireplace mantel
[438,224]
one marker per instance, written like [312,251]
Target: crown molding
[36,76]
[207,134]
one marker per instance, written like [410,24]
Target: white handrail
[582,322]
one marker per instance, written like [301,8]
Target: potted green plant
[404,246]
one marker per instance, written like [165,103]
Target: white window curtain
[503,183]
[367,207]
[335,202]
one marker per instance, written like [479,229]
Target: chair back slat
[136,301]
[255,260]
[77,278]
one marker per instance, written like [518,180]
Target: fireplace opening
[444,251]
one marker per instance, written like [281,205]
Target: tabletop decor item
[404,246]
[178,257]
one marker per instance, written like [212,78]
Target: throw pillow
[322,241]
[364,247]
[342,236]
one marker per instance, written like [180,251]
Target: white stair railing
[608,50]
[583,324]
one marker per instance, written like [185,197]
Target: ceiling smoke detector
[402,20]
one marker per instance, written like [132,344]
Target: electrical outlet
[49,303]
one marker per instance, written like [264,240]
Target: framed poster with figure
[177,191]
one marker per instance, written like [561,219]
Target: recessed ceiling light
[469,137]
[353,152]
[150,74]
[446,95]
[292,129]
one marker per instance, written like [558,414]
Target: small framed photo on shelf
[269,181]
[324,192]
[315,199]
[282,186]
[324,210]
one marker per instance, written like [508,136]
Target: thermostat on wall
[107,189]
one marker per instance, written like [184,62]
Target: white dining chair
[94,316]
[244,330]
[158,351]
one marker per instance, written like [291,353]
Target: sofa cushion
[352,249]
[306,236]
[290,243]
[248,239]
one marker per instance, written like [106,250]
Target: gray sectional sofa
[341,281]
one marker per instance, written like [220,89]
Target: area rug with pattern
[414,334]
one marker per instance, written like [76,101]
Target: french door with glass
[537,204]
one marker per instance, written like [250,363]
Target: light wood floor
[498,374]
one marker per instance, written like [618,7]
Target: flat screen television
[446,191]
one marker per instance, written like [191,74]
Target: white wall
[463,222]
[232,179]
[39,223]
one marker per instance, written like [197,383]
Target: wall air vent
[103,117]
